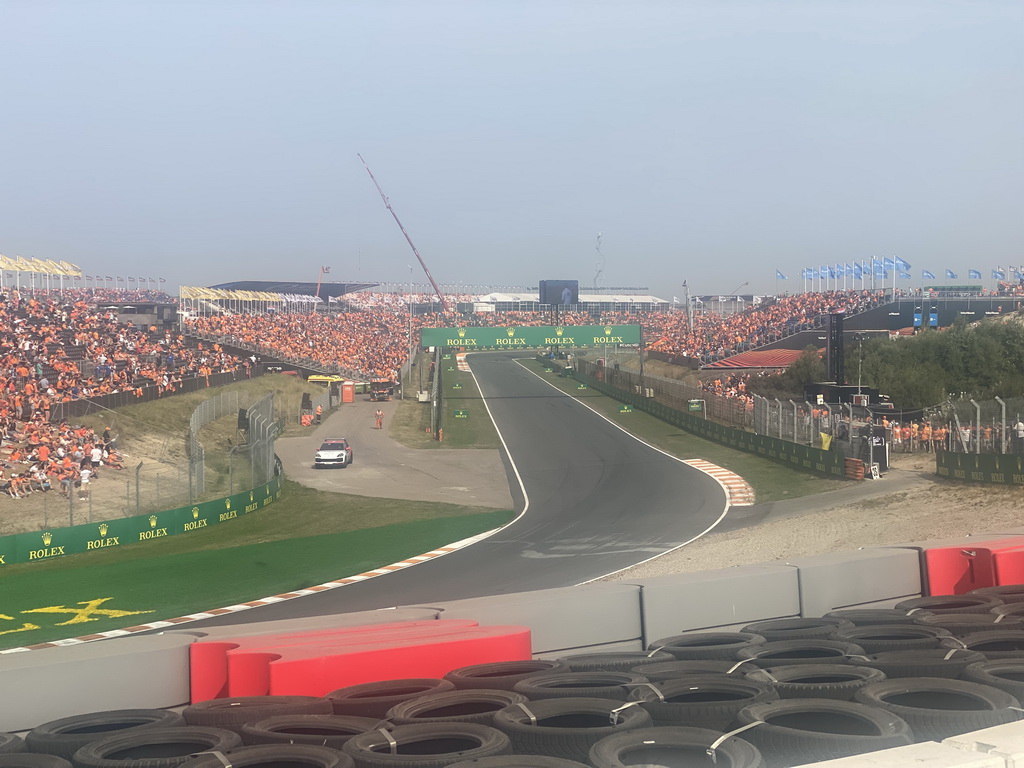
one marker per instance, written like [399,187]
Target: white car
[333,452]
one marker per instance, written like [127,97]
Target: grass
[771,481]
[411,424]
[306,538]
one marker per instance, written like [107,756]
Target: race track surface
[596,501]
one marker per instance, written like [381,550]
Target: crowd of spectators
[713,336]
[57,347]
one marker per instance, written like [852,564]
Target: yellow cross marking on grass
[89,612]
[23,628]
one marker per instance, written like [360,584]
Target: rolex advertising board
[473,337]
[70,540]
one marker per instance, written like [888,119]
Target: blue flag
[904,275]
[780,276]
[998,274]
[951,274]
[858,271]
[901,264]
[926,275]
[973,274]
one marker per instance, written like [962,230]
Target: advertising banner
[1005,469]
[473,337]
[57,542]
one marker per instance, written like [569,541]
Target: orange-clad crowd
[56,348]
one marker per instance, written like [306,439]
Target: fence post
[779,403]
[976,431]
[138,495]
[815,427]
[796,435]
[1002,431]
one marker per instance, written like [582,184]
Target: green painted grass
[411,424]
[142,583]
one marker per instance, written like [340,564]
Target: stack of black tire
[776,693]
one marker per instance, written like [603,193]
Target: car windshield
[333,445]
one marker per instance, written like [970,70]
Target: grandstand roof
[327,290]
[761,358]
[585,298]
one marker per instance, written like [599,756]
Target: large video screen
[559,291]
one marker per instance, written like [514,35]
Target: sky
[712,142]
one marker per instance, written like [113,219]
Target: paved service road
[597,501]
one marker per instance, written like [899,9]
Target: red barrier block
[315,663]
[957,569]
[1009,566]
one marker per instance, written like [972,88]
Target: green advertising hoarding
[38,546]
[530,336]
[1005,469]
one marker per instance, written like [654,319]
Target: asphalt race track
[597,501]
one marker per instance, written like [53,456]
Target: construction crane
[387,204]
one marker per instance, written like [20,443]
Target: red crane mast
[387,204]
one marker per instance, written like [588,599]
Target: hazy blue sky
[711,141]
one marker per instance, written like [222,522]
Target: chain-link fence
[208,411]
[732,411]
[972,426]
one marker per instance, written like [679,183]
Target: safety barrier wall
[1006,469]
[39,546]
[610,616]
[803,457]
[156,671]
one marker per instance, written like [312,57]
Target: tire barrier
[1005,674]
[268,755]
[799,731]
[1008,593]
[233,713]
[872,616]
[894,637]
[502,675]
[432,744]
[154,747]
[315,730]
[620,661]
[675,746]
[375,699]
[799,629]
[32,760]
[575,685]
[931,662]
[66,736]
[567,728]
[960,624]
[677,670]
[785,652]
[518,761]
[940,603]
[817,681]
[473,706]
[994,644]
[707,646]
[936,708]
[710,701]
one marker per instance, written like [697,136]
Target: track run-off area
[591,501]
